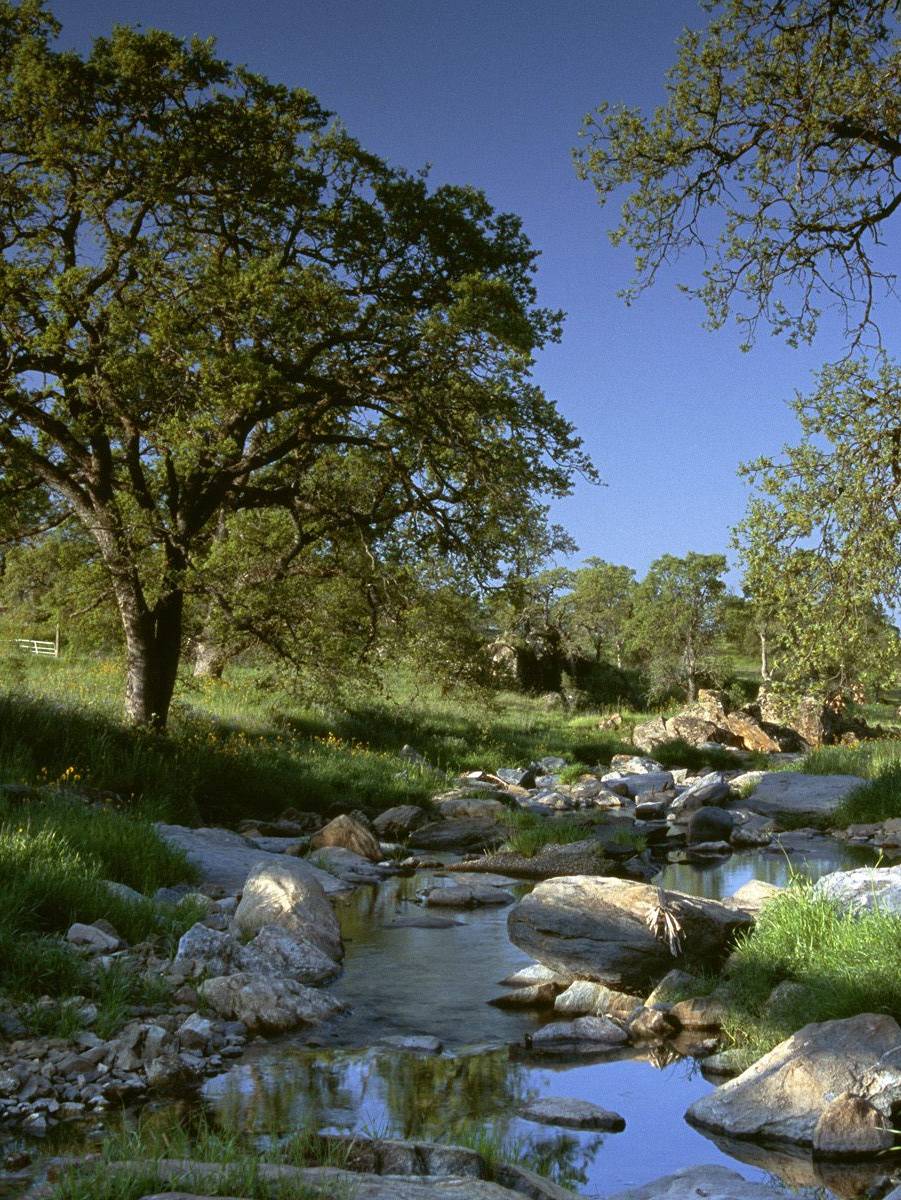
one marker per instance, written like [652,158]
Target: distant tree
[775,153]
[822,539]
[677,621]
[599,609]
[215,303]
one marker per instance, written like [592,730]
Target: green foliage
[677,753]
[599,608]
[217,305]
[530,833]
[774,154]
[822,539]
[675,621]
[845,964]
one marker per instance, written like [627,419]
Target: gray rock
[414,1044]
[277,952]
[789,793]
[708,790]
[588,857]
[868,889]
[195,1032]
[266,1004]
[784,1094]
[536,995]
[471,806]
[205,951]
[596,928]
[465,833]
[712,1183]
[122,891]
[399,821]
[635,784]
[348,866]
[536,973]
[710,824]
[467,895]
[584,997]
[572,1114]
[93,938]
[226,859]
[597,1030]
[282,892]
[752,896]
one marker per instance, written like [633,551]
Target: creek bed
[437,982]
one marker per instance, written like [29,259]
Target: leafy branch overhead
[774,154]
[212,300]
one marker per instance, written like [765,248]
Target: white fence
[33,646]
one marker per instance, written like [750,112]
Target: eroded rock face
[348,834]
[784,1095]
[282,893]
[596,928]
[266,1004]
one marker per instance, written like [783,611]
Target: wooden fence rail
[34,646]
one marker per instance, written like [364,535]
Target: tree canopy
[214,301]
[775,153]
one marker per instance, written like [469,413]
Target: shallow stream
[437,982]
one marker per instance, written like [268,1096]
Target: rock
[93,938]
[600,1030]
[123,892]
[707,790]
[750,733]
[674,983]
[693,730]
[266,1004]
[713,1183]
[807,716]
[868,889]
[416,1044]
[752,896]
[517,777]
[636,764]
[791,794]
[423,921]
[465,833]
[588,857]
[226,859]
[650,734]
[572,1114]
[282,892]
[205,951]
[651,1024]
[277,952]
[850,1126]
[471,806]
[701,1012]
[596,928]
[536,973]
[467,895]
[784,1094]
[537,995]
[710,824]
[651,809]
[347,865]
[751,829]
[412,755]
[634,784]
[399,821]
[195,1033]
[583,997]
[347,834]
[294,846]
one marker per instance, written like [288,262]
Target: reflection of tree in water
[430,1096]
[563,1157]
[298,1090]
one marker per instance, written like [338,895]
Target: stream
[402,981]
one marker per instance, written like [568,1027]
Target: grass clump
[530,833]
[841,964]
[677,753]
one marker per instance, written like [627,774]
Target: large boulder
[282,893]
[694,730]
[596,928]
[806,716]
[792,794]
[650,734]
[347,834]
[710,824]
[868,889]
[783,1095]
[266,1004]
[748,731]
[276,952]
[225,859]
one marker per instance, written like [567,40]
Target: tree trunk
[764,657]
[152,654]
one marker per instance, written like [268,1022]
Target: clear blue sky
[492,93]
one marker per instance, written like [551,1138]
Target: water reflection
[814,857]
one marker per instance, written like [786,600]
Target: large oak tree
[214,301]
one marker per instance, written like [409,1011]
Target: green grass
[680,754]
[844,965]
[530,833]
[879,762]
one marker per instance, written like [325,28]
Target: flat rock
[471,806]
[423,921]
[791,794]
[587,857]
[572,1114]
[536,973]
[464,833]
[784,1094]
[226,859]
[599,1030]
[467,895]
[868,889]
[596,928]
[413,1044]
[711,1183]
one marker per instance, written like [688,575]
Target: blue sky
[492,93]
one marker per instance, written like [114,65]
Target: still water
[438,981]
